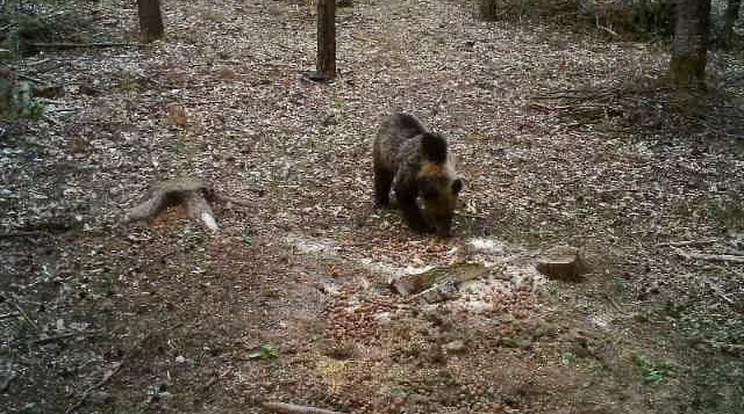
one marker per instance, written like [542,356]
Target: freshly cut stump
[562,262]
[190,192]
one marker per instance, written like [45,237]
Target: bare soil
[564,136]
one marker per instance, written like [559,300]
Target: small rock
[455,346]
[561,262]
[414,283]
[445,290]
[227,74]
[180,359]
[177,115]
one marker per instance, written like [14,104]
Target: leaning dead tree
[151,20]
[193,194]
[326,39]
[690,44]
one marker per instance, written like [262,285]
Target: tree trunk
[690,44]
[487,9]
[729,18]
[327,38]
[151,20]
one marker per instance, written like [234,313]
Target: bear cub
[416,161]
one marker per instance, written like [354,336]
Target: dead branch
[717,290]
[22,233]
[282,408]
[64,45]
[44,341]
[687,243]
[192,193]
[22,313]
[711,257]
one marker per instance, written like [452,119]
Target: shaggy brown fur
[407,154]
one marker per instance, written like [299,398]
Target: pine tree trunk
[690,44]
[151,20]
[729,18]
[327,38]
[487,9]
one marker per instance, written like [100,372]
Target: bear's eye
[431,194]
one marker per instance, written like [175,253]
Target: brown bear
[416,160]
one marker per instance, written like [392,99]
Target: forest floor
[563,136]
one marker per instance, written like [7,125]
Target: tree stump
[193,194]
[562,262]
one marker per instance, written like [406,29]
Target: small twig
[233,200]
[608,30]
[282,408]
[215,378]
[38,62]
[52,120]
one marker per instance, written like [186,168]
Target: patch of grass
[339,103]
[568,358]
[653,371]
[271,292]
[265,353]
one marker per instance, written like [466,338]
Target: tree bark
[327,38]
[729,18]
[151,20]
[487,9]
[690,44]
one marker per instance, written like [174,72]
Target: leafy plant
[568,358]
[35,109]
[654,372]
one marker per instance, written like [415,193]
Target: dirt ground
[563,136]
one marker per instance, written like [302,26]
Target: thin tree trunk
[327,38]
[151,20]
[729,18]
[690,44]
[487,9]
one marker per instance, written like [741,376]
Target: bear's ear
[457,186]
